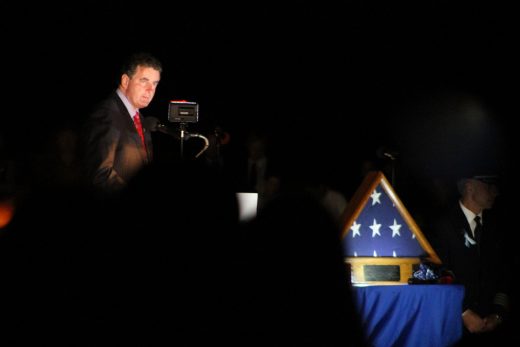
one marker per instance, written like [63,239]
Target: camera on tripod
[181,111]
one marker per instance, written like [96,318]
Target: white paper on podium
[247,206]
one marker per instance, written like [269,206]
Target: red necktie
[139,127]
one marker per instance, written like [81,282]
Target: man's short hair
[140,59]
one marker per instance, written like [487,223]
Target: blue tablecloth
[411,315]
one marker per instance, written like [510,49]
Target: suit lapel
[132,131]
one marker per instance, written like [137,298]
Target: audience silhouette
[296,289]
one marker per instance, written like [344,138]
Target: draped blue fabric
[411,315]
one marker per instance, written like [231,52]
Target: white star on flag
[375,228]
[392,232]
[355,228]
[395,228]
[375,197]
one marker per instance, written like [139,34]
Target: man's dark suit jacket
[113,150]
[480,268]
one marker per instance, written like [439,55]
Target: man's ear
[125,80]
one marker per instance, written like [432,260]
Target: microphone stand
[392,158]
[182,129]
[186,135]
[392,168]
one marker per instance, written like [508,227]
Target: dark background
[434,81]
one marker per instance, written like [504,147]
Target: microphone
[153,124]
[384,153]
[150,123]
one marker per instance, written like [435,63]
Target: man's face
[140,88]
[484,193]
